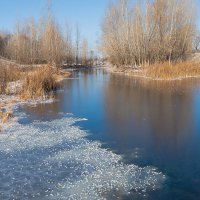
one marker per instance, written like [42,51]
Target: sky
[88,14]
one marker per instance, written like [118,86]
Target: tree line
[148,32]
[45,42]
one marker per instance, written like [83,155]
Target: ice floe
[55,160]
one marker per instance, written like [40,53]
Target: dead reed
[5,116]
[39,83]
[168,70]
[8,73]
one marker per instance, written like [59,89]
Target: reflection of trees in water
[161,108]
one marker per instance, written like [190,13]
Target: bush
[39,83]
[8,73]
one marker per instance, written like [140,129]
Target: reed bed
[18,83]
[39,83]
[8,73]
[168,70]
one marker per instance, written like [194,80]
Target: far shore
[144,74]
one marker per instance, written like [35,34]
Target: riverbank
[36,85]
[161,71]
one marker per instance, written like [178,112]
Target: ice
[55,160]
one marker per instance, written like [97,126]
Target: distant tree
[77,44]
[197,42]
[44,42]
[69,47]
[51,39]
[3,42]
[160,30]
[84,52]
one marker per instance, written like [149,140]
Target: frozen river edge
[55,160]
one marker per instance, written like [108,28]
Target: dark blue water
[149,123]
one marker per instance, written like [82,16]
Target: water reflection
[161,119]
[162,110]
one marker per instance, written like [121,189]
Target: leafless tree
[84,52]
[77,44]
[159,31]
[44,42]
[197,42]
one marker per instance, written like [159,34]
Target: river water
[107,136]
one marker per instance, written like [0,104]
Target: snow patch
[55,160]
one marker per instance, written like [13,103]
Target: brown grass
[61,75]
[172,71]
[8,73]
[39,83]
[5,116]
[34,82]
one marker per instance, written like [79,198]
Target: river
[106,136]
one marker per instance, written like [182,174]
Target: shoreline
[8,102]
[138,73]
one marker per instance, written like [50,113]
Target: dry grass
[172,71]
[61,75]
[39,83]
[25,83]
[161,71]
[8,73]
[5,116]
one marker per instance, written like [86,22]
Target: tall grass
[168,70]
[8,73]
[39,83]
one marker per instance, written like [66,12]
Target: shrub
[168,70]
[8,73]
[39,83]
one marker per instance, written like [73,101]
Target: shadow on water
[147,122]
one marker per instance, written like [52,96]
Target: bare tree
[197,42]
[69,46]
[4,37]
[159,31]
[51,40]
[84,52]
[77,44]
[43,42]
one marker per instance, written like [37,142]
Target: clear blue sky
[87,13]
